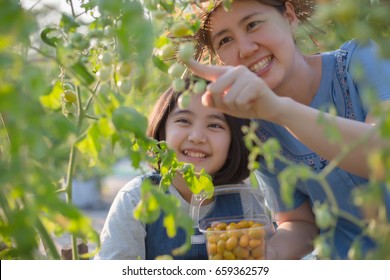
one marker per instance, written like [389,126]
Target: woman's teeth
[261,65]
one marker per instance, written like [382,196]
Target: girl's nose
[197,136]
[246,46]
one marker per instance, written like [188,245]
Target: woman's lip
[262,66]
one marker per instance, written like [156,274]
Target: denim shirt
[339,89]
[158,243]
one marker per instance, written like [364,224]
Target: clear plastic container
[236,237]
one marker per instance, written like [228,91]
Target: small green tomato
[76,37]
[176,70]
[323,216]
[105,89]
[159,14]
[186,51]
[124,69]
[168,51]
[184,100]
[178,85]
[70,96]
[164,257]
[68,86]
[104,74]
[70,108]
[180,29]
[125,86]
[199,87]
[106,59]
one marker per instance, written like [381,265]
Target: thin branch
[6,131]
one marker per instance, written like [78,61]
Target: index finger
[208,72]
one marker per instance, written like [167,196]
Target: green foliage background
[116,64]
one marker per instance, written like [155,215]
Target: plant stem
[47,241]
[69,184]
[70,171]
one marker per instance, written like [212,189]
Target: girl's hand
[237,91]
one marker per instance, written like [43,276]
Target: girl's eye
[182,121]
[215,125]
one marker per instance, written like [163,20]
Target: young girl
[267,78]
[199,135]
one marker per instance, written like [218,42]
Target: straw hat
[304,9]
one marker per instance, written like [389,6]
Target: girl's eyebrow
[220,33]
[181,111]
[220,117]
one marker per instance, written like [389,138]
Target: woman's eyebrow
[221,32]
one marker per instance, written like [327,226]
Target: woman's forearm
[303,122]
[292,240]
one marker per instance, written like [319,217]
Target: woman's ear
[291,16]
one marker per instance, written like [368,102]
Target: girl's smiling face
[199,135]
[257,36]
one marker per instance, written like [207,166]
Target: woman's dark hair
[235,168]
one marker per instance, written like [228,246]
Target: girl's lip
[195,153]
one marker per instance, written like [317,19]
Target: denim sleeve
[371,73]
[268,179]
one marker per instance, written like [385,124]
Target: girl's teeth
[194,154]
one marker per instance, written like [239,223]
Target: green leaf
[253,180]
[160,64]
[148,209]
[197,184]
[168,6]
[167,161]
[82,73]
[130,120]
[90,145]
[105,128]
[136,159]
[170,225]
[270,151]
[68,23]
[206,183]
[53,99]
[288,180]
[48,36]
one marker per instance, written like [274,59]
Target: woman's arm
[302,122]
[294,236]
[239,92]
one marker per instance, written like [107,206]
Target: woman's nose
[246,46]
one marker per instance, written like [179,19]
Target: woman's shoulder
[356,50]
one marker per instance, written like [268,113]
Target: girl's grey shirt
[123,236]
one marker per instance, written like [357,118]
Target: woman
[269,79]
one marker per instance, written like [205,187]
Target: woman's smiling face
[257,36]
[199,135]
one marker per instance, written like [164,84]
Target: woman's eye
[253,24]
[223,41]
